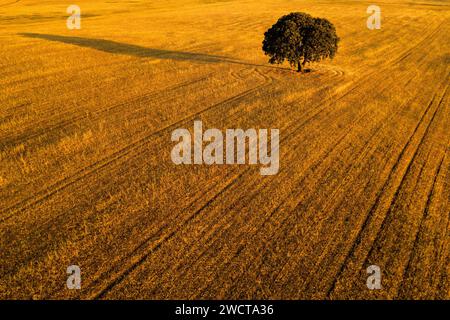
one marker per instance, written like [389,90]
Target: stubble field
[86,176]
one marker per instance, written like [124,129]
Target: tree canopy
[300,38]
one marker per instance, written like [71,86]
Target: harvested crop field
[86,175]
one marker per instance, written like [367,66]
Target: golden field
[86,177]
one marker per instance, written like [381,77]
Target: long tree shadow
[138,51]
[130,49]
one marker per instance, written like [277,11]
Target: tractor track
[415,247]
[98,113]
[383,192]
[86,171]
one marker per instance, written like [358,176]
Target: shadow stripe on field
[129,49]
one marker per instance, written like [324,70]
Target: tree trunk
[300,67]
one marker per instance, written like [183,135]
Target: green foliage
[299,38]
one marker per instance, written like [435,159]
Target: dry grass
[86,176]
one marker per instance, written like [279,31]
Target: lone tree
[299,38]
